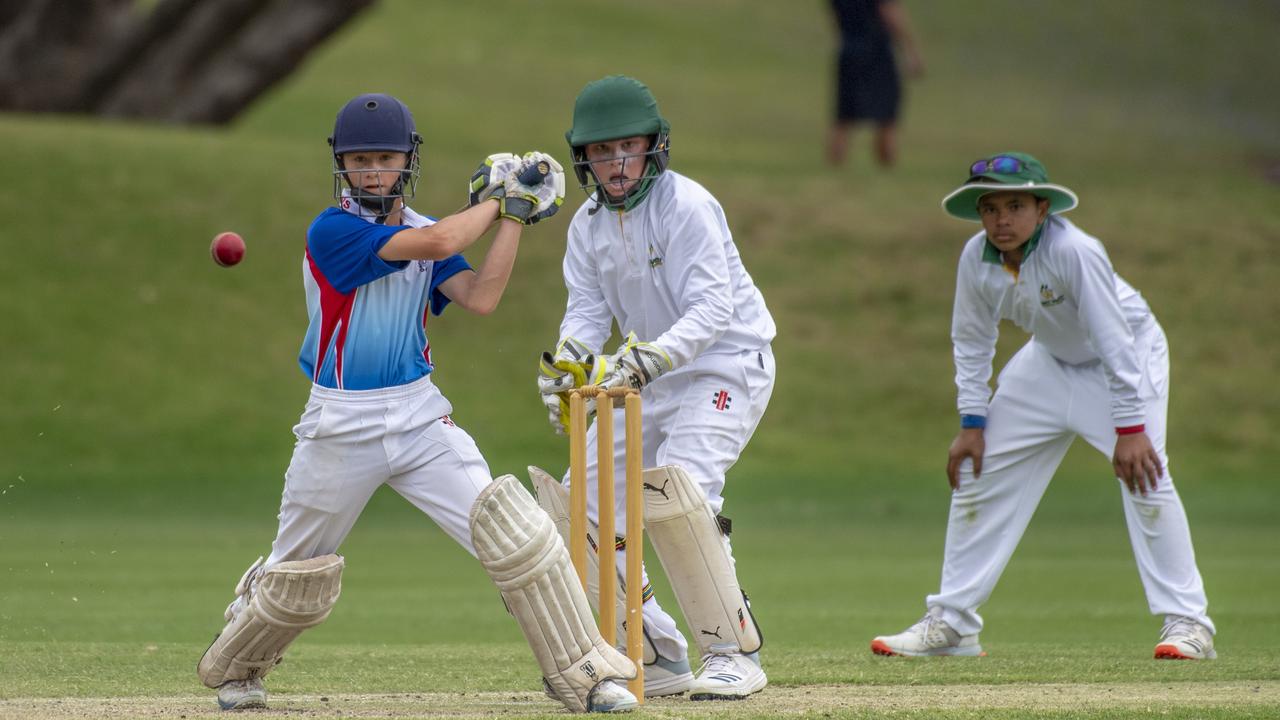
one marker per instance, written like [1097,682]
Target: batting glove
[551,192]
[490,176]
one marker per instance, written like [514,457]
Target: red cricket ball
[227,248]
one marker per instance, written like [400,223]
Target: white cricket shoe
[242,694]
[667,677]
[1184,639]
[611,696]
[728,676]
[930,636]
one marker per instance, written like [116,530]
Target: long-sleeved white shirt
[1068,296]
[668,271]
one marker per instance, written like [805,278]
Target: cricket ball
[227,249]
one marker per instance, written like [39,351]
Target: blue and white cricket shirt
[367,315]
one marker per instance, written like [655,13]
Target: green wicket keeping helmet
[611,108]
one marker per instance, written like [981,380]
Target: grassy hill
[136,366]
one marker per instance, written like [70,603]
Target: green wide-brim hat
[1028,176]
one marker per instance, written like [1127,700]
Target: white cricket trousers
[350,442]
[700,418]
[1039,408]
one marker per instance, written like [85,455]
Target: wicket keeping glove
[491,175]
[636,364]
[572,366]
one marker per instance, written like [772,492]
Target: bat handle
[534,174]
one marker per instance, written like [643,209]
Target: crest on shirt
[1048,299]
[655,260]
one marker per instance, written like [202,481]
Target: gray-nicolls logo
[715,634]
[663,489]
[589,669]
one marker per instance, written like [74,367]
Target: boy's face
[374,172]
[1010,217]
[619,164]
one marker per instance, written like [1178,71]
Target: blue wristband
[973,421]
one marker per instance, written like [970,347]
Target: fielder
[1097,366]
[372,271]
[651,250]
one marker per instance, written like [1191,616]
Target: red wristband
[1131,430]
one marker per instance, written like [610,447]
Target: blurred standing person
[868,87]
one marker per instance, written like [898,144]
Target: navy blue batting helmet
[374,121]
[369,123]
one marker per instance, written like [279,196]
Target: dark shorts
[867,86]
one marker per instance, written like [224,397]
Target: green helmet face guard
[612,108]
[655,160]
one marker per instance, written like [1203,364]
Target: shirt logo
[1047,298]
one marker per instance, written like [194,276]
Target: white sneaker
[930,636]
[1184,639]
[728,676]
[611,696]
[242,694]
[667,677]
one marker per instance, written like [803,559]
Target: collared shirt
[1068,296]
[367,315]
[667,270]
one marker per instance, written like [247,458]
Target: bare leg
[838,142]
[886,144]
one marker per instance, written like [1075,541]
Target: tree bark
[184,61]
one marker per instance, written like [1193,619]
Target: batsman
[651,250]
[373,270]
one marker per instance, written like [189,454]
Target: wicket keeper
[651,250]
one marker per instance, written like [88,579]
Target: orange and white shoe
[1184,639]
[930,636]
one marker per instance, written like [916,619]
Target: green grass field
[149,394]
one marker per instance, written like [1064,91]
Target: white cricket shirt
[1068,296]
[667,270]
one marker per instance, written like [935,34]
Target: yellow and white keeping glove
[636,364]
[573,365]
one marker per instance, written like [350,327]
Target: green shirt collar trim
[991,254]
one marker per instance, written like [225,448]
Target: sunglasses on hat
[1000,164]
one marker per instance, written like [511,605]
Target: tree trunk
[184,61]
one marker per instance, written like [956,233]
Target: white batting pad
[554,499]
[272,607]
[686,537]
[519,547]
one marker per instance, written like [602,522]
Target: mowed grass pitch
[420,632]
[149,393]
